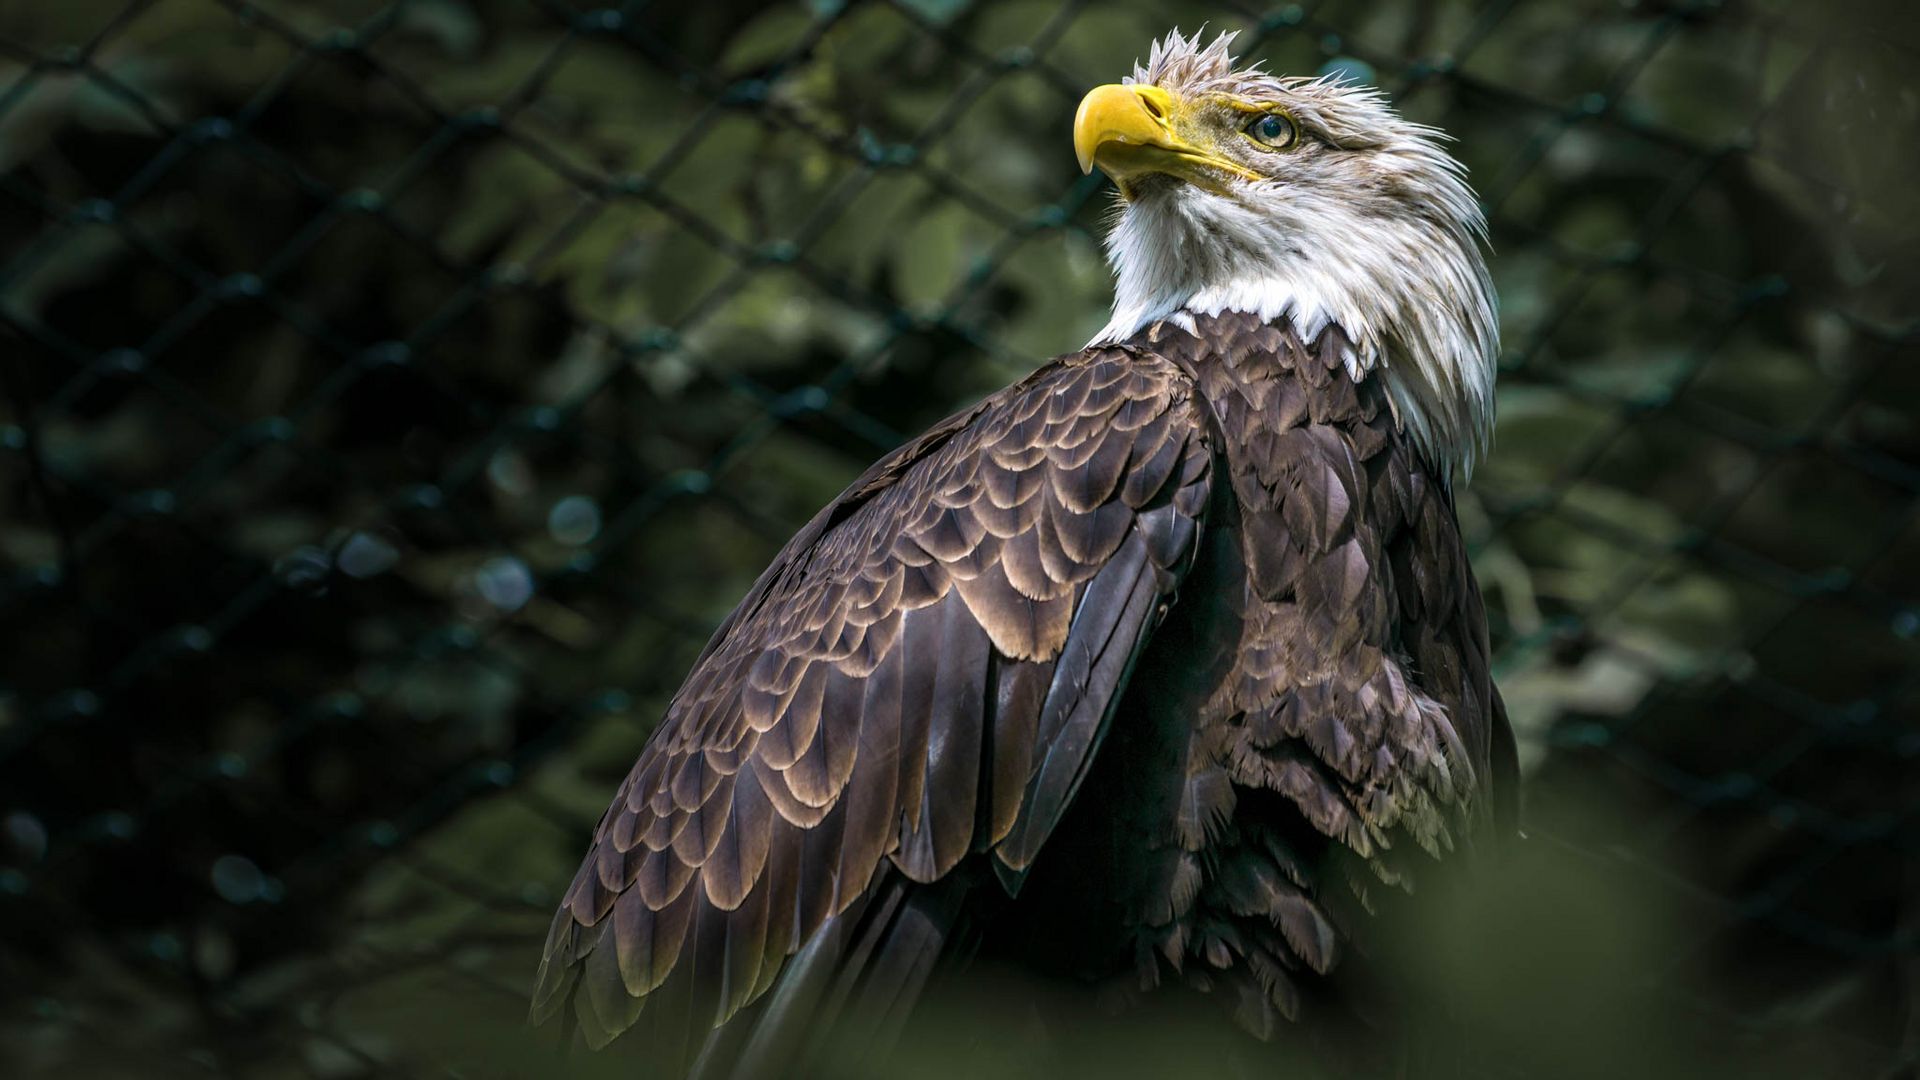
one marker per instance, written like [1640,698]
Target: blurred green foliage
[396,393]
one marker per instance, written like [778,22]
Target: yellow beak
[1114,116]
[1128,131]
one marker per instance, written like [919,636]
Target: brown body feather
[909,700]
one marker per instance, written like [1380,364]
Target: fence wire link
[395,394]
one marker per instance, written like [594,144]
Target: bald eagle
[1151,670]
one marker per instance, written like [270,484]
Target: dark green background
[396,394]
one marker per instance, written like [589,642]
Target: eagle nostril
[1153,108]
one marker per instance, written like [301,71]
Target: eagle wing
[924,672]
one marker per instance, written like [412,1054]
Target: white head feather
[1371,227]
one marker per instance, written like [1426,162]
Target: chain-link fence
[396,393]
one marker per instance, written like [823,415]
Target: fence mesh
[396,394]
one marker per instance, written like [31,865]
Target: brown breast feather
[1357,701]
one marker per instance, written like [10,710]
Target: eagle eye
[1271,130]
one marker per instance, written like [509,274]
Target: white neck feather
[1413,296]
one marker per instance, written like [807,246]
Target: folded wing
[924,673]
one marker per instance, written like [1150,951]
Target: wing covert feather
[924,672]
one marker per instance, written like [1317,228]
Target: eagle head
[1305,199]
